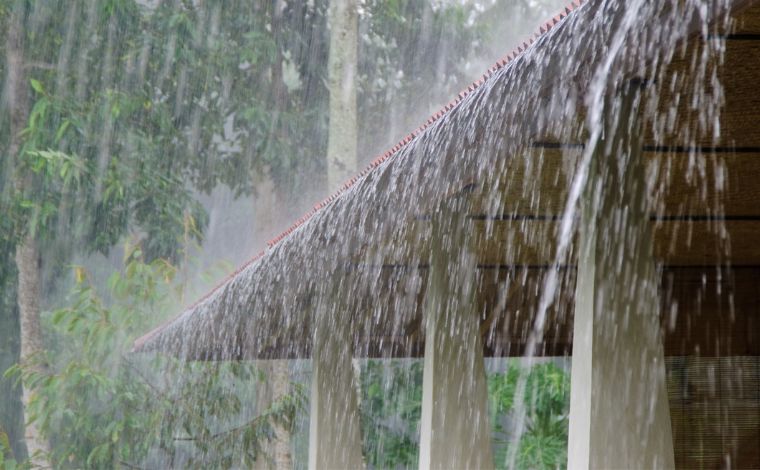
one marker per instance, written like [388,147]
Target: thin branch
[140,375]
[228,431]
[39,65]
[131,465]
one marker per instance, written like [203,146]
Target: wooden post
[335,422]
[619,413]
[454,427]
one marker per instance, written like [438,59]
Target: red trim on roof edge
[377,161]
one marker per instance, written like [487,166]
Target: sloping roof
[376,162]
[427,166]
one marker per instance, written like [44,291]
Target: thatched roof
[511,143]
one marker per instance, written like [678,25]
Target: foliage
[7,460]
[104,408]
[132,105]
[543,444]
[391,406]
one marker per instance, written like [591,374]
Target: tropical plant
[546,399]
[391,406]
[103,407]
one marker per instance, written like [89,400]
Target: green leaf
[13,371]
[62,130]
[37,86]
[5,444]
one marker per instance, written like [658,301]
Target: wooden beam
[746,21]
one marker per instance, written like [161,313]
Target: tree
[55,179]
[112,152]
[27,256]
[342,74]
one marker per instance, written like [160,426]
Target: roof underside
[513,144]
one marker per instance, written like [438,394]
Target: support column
[619,412]
[335,422]
[454,428]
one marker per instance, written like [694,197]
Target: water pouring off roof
[515,136]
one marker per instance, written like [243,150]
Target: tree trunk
[342,70]
[28,265]
[27,256]
[11,419]
[265,208]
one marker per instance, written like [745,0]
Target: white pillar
[619,413]
[335,422]
[454,428]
